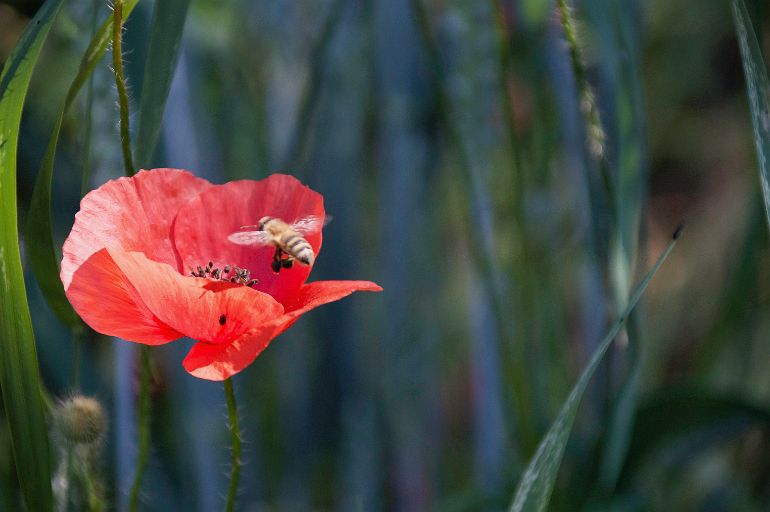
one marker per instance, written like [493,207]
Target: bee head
[264,220]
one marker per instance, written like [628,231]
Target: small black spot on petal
[222,319]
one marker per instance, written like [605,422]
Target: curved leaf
[758,87]
[536,484]
[162,54]
[19,373]
[42,254]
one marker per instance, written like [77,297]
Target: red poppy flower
[127,261]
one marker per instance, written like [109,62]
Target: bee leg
[276,263]
[287,262]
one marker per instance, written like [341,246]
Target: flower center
[232,274]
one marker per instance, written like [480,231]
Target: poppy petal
[219,362]
[318,293]
[204,223]
[203,309]
[107,301]
[145,292]
[130,214]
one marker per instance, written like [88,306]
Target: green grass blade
[162,55]
[42,255]
[757,87]
[19,373]
[535,486]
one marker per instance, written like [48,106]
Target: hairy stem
[143,425]
[120,82]
[235,435]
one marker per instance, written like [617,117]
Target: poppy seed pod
[81,420]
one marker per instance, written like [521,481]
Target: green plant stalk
[22,391]
[235,436]
[524,291]
[311,89]
[77,340]
[595,131]
[143,421]
[510,351]
[43,257]
[85,178]
[536,484]
[143,418]
[120,82]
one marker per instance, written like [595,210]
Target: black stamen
[222,319]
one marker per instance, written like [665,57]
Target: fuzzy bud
[81,420]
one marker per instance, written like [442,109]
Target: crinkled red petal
[204,223]
[318,293]
[142,295]
[130,214]
[107,301]
[219,362]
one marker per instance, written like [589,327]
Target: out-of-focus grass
[404,401]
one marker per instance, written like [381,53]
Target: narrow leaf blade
[757,87]
[42,255]
[535,487]
[162,55]
[19,372]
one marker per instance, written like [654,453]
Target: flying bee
[288,239]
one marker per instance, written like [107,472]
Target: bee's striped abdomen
[294,244]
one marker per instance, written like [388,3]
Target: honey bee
[288,239]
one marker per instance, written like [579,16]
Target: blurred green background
[448,141]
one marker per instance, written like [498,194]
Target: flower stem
[77,337]
[143,421]
[120,82]
[235,436]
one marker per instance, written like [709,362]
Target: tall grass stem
[596,136]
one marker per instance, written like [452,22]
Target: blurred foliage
[452,151]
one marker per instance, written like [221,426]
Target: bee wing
[310,224]
[250,238]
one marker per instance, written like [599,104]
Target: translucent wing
[250,238]
[310,224]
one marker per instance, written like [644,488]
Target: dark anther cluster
[227,273]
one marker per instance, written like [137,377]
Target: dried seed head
[81,419]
